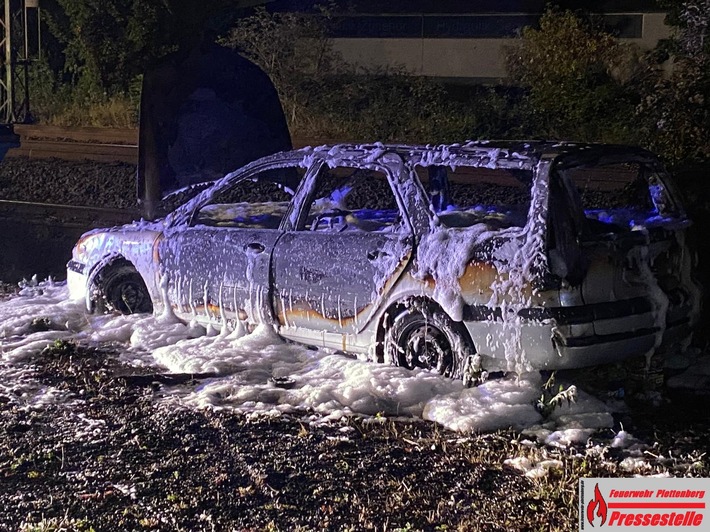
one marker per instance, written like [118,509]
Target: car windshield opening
[258,202]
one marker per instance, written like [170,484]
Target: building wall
[462,47]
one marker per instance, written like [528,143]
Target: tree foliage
[107,43]
[97,50]
[675,114]
[578,77]
[324,96]
[580,82]
[293,48]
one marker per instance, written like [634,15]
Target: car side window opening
[353,199]
[258,202]
[464,196]
[617,197]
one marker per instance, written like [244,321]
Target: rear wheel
[423,337]
[120,288]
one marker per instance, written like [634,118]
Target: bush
[674,114]
[322,95]
[579,78]
[325,97]
[294,50]
[64,104]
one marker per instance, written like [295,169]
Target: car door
[352,242]
[216,263]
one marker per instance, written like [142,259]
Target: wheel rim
[127,296]
[422,345]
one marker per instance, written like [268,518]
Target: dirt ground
[113,454]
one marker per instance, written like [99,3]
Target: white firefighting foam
[259,373]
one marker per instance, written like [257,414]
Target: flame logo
[597,503]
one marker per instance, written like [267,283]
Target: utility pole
[20,45]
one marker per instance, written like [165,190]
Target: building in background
[463,40]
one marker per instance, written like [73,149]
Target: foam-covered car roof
[495,153]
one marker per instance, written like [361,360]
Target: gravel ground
[88,183]
[108,456]
[35,242]
[112,459]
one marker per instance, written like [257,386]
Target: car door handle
[254,248]
[376,254]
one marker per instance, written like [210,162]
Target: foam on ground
[260,373]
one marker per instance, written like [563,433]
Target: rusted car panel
[530,255]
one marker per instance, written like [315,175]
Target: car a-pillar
[116,286]
[418,333]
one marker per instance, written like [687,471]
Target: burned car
[518,255]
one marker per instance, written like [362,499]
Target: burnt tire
[424,337]
[122,289]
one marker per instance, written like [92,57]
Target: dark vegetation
[569,78]
[95,52]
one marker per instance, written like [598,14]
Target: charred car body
[531,255]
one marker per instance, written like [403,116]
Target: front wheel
[121,289]
[422,337]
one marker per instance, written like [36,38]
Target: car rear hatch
[618,239]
